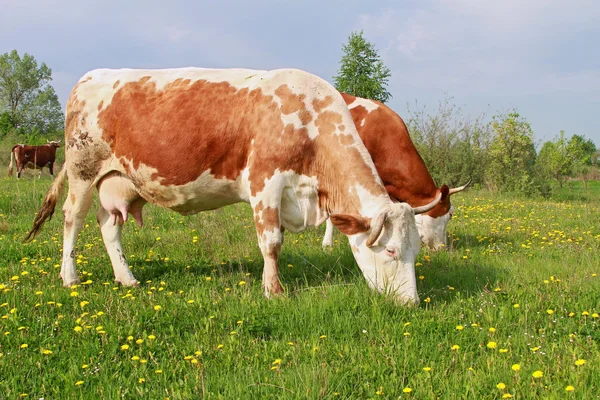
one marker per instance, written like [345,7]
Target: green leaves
[27,101]
[362,73]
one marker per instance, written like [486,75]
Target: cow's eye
[390,251]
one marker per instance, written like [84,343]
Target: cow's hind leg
[118,197]
[270,239]
[111,235]
[76,207]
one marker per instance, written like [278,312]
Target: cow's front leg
[328,238]
[270,239]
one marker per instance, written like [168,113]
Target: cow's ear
[350,225]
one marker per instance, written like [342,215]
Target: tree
[27,96]
[512,154]
[554,159]
[362,73]
[453,147]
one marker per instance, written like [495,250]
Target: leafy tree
[27,96]
[453,147]
[512,154]
[583,155]
[554,159]
[362,73]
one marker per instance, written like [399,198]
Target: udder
[119,197]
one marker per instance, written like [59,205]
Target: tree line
[498,153]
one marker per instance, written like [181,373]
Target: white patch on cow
[204,193]
[433,230]
[369,204]
[369,105]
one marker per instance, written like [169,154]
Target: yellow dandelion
[459,327]
[501,386]
[322,337]
[125,347]
[492,345]
[242,283]
[580,362]
[550,311]
[46,351]
[78,383]
[151,337]
[537,374]
[24,346]
[569,388]
[407,390]
[516,367]
[277,362]
[492,330]
[157,307]
[139,341]
[455,347]
[507,396]
[158,371]
[503,350]
[426,369]
[135,358]
[141,380]
[516,305]
[74,294]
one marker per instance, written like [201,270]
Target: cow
[197,139]
[33,157]
[401,168]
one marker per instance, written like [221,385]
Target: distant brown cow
[33,157]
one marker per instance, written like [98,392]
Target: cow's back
[177,131]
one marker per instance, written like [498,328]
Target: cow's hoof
[70,282]
[128,282]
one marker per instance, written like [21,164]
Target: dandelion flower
[492,345]
[157,307]
[455,347]
[125,347]
[569,388]
[407,390]
[24,346]
[141,380]
[46,352]
[459,327]
[507,396]
[537,374]
[501,386]
[78,383]
[151,337]
[427,369]
[580,362]
[516,367]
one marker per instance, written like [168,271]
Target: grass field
[510,311]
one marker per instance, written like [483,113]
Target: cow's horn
[376,228]
[427,207]
[459,189]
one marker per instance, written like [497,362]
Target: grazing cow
[33,157]
[400,167]
[198,139]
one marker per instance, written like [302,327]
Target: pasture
[511,311]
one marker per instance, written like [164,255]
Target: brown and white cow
[33,157]
[400,167]
[199,139]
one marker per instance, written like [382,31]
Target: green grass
[521,274]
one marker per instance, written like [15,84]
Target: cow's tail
[12,156]
[45,213]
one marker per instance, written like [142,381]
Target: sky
[539,57]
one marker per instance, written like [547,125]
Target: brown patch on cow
[72,198]
[305,117]
[100,105]
[144,80]
[320,104]
[290,102]
[265,218]
[398,163]
[350,225]
[327,122]
[200,126]
[346,140]
[116,84]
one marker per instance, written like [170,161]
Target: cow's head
[433,224]
[386,246]
[53,143]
